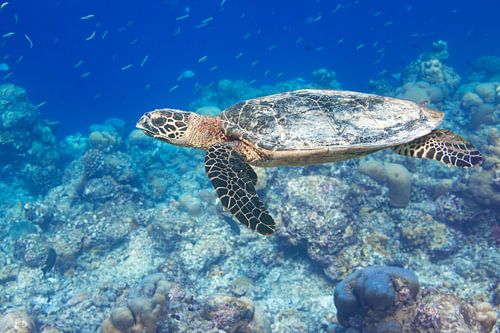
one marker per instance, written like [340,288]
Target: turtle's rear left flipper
[234,181]
[443,146]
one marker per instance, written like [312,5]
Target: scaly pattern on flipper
[444,146]
[234,181]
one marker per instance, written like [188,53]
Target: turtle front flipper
[234,181]
[444,146]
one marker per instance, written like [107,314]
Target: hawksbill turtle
[302,127]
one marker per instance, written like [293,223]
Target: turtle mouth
[145,125]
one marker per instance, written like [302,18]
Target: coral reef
[141,314]
[387,299]
[320,221]
[438,311]
[28,145]
[229,313]
[396,176]
[481,101]
[113,231]
[16,322]
[431,237]
[428,79]
[376,290]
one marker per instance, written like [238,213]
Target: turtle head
[167,125]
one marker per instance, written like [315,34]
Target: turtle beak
[145,125]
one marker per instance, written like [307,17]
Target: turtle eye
[160,121]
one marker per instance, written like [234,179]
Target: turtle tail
[444,146]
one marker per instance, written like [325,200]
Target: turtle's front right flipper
[234,181]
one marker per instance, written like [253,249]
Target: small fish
[246,35]
[3,5]
[187,74]
[377,13]
[50,262]
[173,88]
[9,34]
[222,3]
[129,23]
[87,17]
[388,23]
[208,19]
[337,8]
[143,62]
[39,105]
[238,56]
[124,68]
[201,25]
[29,40]
[4,67]
[360,46]
[96,96]
[266,73]
[272,47]
[147,86]
[91,36]
[340,41]
[254,63]
[19,59]
[78,64]
[213,68]
[6,76]
[86,74]
[104,34]
[183,17]
[298,40]
[202,59]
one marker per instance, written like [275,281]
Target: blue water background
[307,35]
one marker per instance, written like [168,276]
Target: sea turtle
[300,128]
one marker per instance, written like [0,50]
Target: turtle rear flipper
[444,146]
[234,181]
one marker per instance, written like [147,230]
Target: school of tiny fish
[185,21]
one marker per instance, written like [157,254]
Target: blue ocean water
[285,39]
[104,229]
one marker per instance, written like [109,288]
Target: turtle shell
[316,119]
